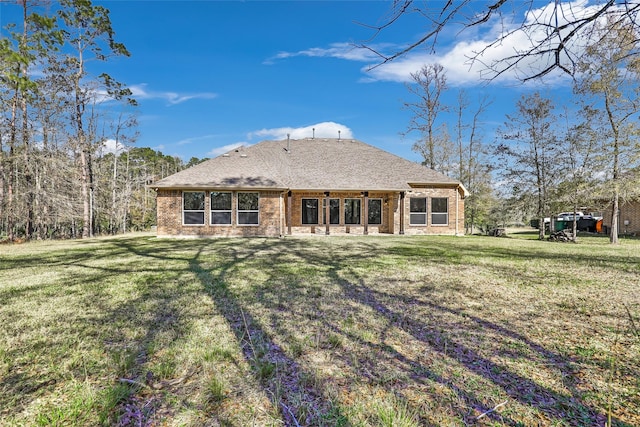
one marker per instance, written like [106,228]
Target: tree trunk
[11,167]
[615,209]
[574,225]
[113,223]
[541,228]
[28,173]
[86,205]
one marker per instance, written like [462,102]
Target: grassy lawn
[351,331]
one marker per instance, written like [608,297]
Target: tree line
[67,168]
[548,157]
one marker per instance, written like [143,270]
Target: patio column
[366,212]
[402,212]
[326,213]
[289,208]
[457,210]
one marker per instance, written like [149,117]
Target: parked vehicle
[564,221]
[568,216]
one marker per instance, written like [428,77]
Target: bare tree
[89,36]
[54,122]
[428,86]
[610,73]
[576,188]
[473,164]
[553,35]
[19,53]
[528,152]
[121,134]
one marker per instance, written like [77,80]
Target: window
[193,208]
[220,208]
[418,211]
[352,211]
[334,211]
[439,211]
[248,213]
[309,211]
[375,211]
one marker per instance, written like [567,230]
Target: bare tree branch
[557,34]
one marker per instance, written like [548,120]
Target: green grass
[320,331]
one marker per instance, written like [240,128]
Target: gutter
[210,187]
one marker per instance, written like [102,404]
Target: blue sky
[210,75]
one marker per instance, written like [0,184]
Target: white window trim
[344,211]
[318,208]
[340,208]
[425,213]
[211,210]
[238,211]
[204,216]
[381,211]
[440,213]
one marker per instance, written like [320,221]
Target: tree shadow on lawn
[93,321]
[441,339]
[216,264]
[453,252]
[280,375]
[554,405]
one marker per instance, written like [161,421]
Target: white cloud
[319,130]
[191,140]
[140,92]
[347,51]
[469,60]
[111,146]
[225,149]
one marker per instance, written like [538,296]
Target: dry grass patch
[352,331]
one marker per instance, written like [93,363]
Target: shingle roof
[307,164]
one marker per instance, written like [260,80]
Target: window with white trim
[309,211]
[352,211]
[334,211]
[375,211]
[418,211]
[193,207]
[221,208]
[248,208]
[439,211]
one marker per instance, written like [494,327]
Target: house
[628,218]
[307,186]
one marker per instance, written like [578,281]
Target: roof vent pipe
[313,134]
[288,143]
[339,135]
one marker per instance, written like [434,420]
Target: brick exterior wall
[273,211]
[629,211]
[169,217]
[455,205]
[296,213]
